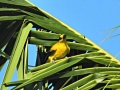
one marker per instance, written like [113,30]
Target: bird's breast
[61,51]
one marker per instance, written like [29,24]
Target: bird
[59,50]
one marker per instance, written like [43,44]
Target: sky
[93,18]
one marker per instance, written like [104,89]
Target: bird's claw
[53,61]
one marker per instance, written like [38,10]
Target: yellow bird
[59,50]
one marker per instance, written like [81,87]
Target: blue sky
[92,18]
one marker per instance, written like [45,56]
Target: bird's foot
[67,58]
[53,61]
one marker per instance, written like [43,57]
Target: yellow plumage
[59,50]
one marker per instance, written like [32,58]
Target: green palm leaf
[87,67]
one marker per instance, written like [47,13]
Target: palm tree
[88,67]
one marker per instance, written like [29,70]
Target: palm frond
[86,67]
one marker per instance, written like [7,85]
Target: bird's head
[62,38]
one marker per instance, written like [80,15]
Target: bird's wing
[49,54]
[51,51]
[54,47]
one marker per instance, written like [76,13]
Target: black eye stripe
[64,36]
